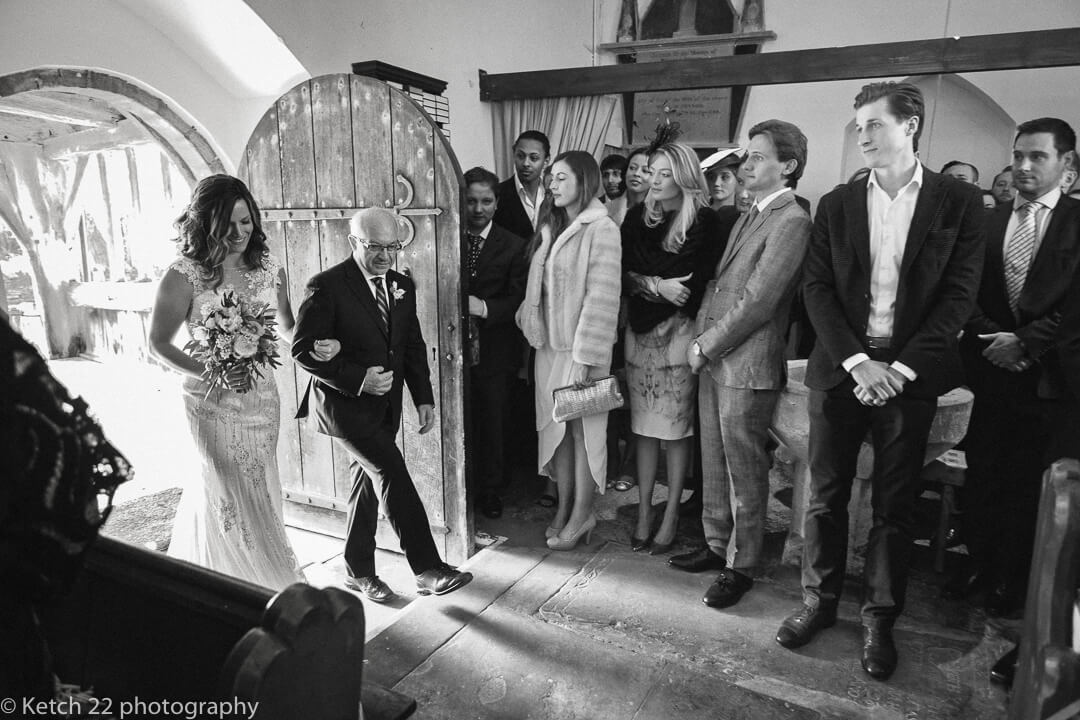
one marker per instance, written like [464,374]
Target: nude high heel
[560,543]
[552,531]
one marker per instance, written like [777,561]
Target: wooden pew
[1048,676]
[141,624]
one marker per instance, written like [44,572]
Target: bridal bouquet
[234,333]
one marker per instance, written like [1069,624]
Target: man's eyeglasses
[374,247]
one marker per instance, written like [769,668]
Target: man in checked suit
[739,350]
[496,270]
[1032,252]
[890,279]
[356,398]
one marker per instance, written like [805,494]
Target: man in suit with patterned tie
[496,270]
[890,279]
[356,398]
[739,351]
[1032,252]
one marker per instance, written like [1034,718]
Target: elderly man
[356,398]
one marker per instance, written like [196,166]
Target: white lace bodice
[258,285]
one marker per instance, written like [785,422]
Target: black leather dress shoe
[1004,670]
[967,581]
[800,628]
[878,652]
[698,561]
[490,506]
[371,587]
[441,579]
[727,589]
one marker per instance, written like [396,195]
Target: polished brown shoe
[727,589]
[878,652]
[441,579]
[698,561]
[800,628]
[371,587]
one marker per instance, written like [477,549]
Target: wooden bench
[1048,676]
[141,624]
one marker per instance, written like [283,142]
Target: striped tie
[1018,255]
[382,302]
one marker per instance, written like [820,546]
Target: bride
[235,524]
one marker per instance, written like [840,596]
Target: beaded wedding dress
[233,522]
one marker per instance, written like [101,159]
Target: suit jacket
[939,277]
[339,305]
[502,271]
[1067,340]
[743,321]
[1038,309]
[511,215]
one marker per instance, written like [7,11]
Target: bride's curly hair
[204,226]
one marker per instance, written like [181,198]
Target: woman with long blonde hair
[671,244]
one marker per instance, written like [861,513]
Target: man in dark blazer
[521,195]
[1032,252]
[496,270]
[356,398]
[890,279]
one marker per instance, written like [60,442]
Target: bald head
[374,236]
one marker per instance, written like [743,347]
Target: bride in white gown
[234,524]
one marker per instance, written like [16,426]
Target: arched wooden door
[330,146]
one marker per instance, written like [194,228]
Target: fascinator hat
[722,158]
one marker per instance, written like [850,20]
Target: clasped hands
[876,383]
[1006,351]
[378,381]
[670,290]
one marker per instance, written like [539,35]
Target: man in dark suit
[522,194]
[356,398]
[891,276]
[496,270]
[1032,252]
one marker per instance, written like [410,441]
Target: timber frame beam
[976,53]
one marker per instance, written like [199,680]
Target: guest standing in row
[671,242]
[569,316]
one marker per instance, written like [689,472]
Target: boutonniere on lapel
[397,292]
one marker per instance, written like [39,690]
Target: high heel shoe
[638,544]
[661,548]
[560,543]
[552,531]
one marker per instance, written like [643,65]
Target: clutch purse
[594,396]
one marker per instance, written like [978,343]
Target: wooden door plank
[413,149]
[316,453]
[372,154]
[452,315]
[975,53]
[261,165]
[332,128]
[297,148]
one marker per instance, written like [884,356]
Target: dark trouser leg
[838,424]
[379,472]
[900,430]
[490,394]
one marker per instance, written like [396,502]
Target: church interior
[111,111]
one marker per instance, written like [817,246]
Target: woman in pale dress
[569,315]
[233,522]
[671,244]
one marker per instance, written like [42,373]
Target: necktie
[750,218]
[1019,253]
[475,245]
[382,302]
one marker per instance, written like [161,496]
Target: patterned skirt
[663,391]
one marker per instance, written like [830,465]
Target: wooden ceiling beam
[65,108]
[976,53]
[124,134]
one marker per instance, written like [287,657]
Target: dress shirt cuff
[904,370]
[854,360]
[362,384]
[483,309]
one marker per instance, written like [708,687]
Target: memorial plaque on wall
[704,116]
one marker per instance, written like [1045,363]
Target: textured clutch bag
[596,395]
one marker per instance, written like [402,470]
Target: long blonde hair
[686,172]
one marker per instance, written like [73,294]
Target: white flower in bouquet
[200,333]
[245,346]
[234,334]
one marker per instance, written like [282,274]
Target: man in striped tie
[1032,252]
[356,398]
